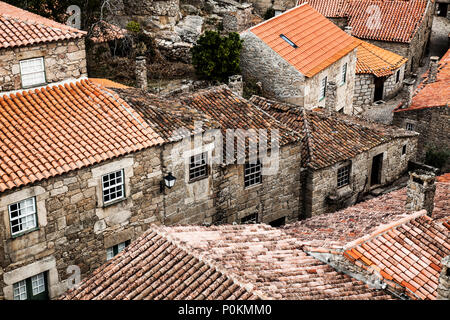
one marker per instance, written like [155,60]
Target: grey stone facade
[321,193]
[62,60]
[280,80]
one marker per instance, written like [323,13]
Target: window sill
[105,205]
[18,235]
[253,186]
[34,86]
[198,179]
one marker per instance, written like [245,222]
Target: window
[32,72]
[198,167]
[278,222]
[344,73]
[251,218]
[34,288]
[282,36]
[252,174]
[409,126]
[397,76]
[323,88]
[115,250]
[404,150]
[341,110]
[343,176]
[113,186]
[22,216]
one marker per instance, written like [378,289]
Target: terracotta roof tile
[21,28]
[319,42]
[329,139]
[108,83]
[435,94]
[377,61]
[55,129]
[103,31]
[399,19]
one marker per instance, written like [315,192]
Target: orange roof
[407,253]
[20,28]
[377,61]
[108,83]
[319,41]
[435,94]
[444,178]
[56,129]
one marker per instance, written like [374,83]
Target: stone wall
[431,123]
[63,60]
[391,87]
[322,183]
[344,96]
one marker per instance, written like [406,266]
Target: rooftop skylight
[282,36]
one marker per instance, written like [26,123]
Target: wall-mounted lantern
[168,182]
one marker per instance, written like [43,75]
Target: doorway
[379,89]
[442,9]
[377,166]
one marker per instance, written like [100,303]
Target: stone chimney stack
[349,30]
[409,87]
[443,289]
[236,85]
[330,96]
[434,60]
[141,73]
[420,191]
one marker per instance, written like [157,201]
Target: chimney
[420,191]
[443,289]
[348,30]
[409,87]
[141,73]
[330,96]
[434,60]
[236,85]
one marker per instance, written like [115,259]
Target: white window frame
[344,74]
[38,286]
[323,88]
[39,72]
[120,247]
[26,216]
[106,189]
[198,166]
[252,174]
[38,283]
[20,290]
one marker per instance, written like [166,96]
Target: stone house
[302,58]
[379,74]
[403,27]
[427,110]
[442,8]
[344,157]
[45,52]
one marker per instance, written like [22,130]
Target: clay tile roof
[21,28]
[58,128]
[104,32]
[435,94]
[108,83]
[329,139]
[377,61]
[155,268]
[399,19]
[270,262]
[407,253]
[335,230]
[319,42]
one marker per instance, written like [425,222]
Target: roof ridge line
[248,286]
[384,228]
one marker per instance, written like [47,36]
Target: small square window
[32,72]
[113,186]
[251,218]
[344,74]
[33,288]
[404,150]
[343,176]
[198,167]
[252,174]
[323,88]
[20,290]
[38,284]
[409,126]
[22,216]
[115,250]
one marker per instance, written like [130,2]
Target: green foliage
[251,88]
[215,57]
[270,13]
[56,10]
[437,157]
[134,26]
